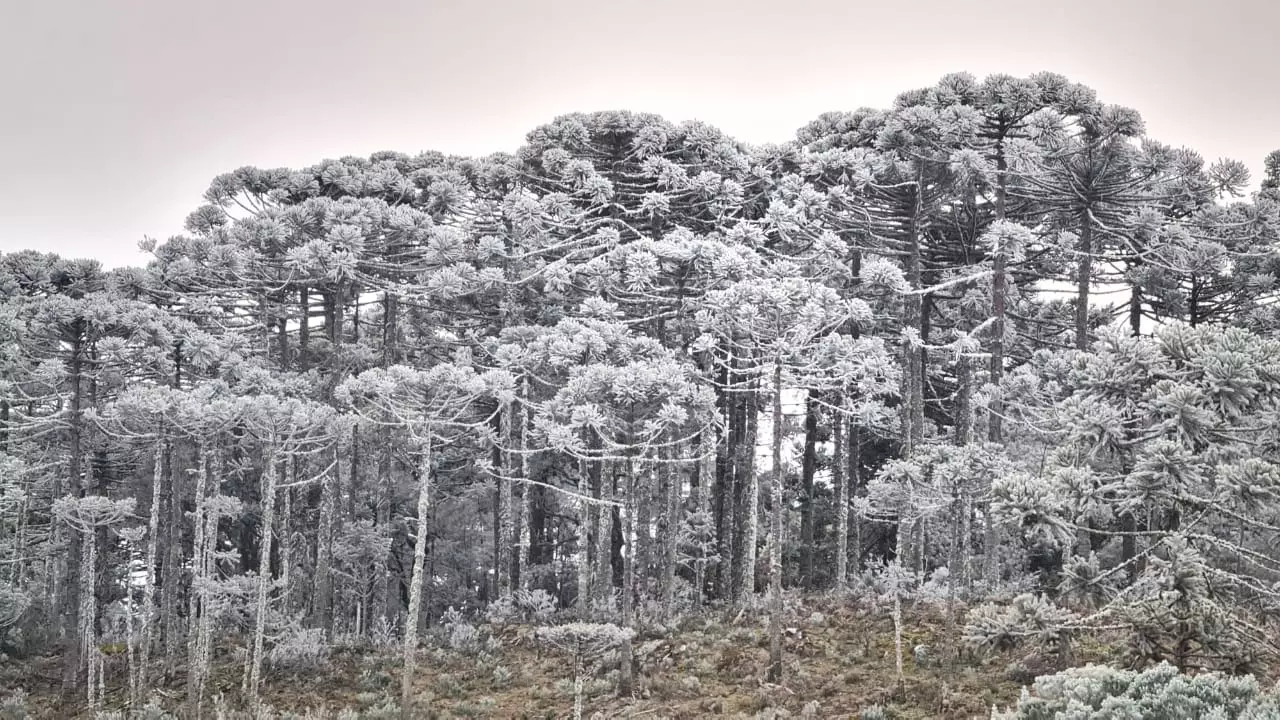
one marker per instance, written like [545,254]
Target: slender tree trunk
[198,659]
[266,534]
[195,599]
[585,512]
[841,502]
[292,545]
[626,671]
[751,499]
[808,468]
[775,544]
[88,615]
[304,328]
[149,582]
[1135,311]
[382,596]
[506,506]
[913,356]
[706,475]
[668,532]
[964,400]
[604,537]
[999,299]
[853,478]
[74,658]
[171,580]
[723,493]
[322,610]
[524,544]
[131,643]
[410,646]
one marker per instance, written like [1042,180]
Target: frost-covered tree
[436,407]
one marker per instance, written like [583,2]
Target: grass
[707,666]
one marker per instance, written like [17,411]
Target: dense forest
[992,344]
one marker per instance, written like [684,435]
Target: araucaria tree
[636,369]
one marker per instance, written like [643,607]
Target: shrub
[1159,693]
[1029,619]
[14,707]
[300,649]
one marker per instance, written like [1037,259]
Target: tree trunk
[171,579]
[266,536]
[841,508]
[999,299]
[149,582]
[382,596]
[668,532]
[775,533]
[322,610]
[964,400]
[583,548]
[524,544]
[304,328]
[505,511]
[808,467]
[853,479]
[64,589]
[913,356]
[410,646]
[724,493]
[750,522]
[626,672]
[698,499]
[194,604]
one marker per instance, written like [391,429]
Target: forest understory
[841,663]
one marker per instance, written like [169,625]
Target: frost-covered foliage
[1030,621]
[527,606]
[300,650]
[1158,693]
[399,391]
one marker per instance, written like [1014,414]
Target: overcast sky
[116,114]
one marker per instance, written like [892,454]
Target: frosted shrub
[538,605]
[384,634]
[153,711]
[1157,693]
[1029,619]
[501,677]
[463,636]
[526,606]
[14,707]
[300,649]
[458,634]
[937,590]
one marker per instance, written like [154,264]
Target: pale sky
[116,114]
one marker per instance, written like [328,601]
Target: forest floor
[839,661]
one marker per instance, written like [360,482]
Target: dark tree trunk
[808,467]
[999,298]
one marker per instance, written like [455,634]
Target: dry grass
[707,667]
